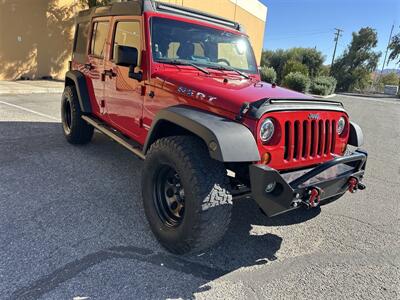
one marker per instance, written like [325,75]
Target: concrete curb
[374,96]
[30,87]
[323,97]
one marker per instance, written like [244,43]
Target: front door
[97,54]
[124,96]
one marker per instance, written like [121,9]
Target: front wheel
[75,129]
[185,195]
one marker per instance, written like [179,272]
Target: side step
[114,135]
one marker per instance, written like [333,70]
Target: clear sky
[310,23]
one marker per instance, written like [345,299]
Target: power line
[298,36]
[321,30]
[338,34]
[387,48]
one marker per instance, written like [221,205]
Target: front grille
[308,139]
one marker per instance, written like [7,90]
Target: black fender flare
[356,137]
[81,88]
[227,141]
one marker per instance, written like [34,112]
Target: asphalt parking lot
[72,223]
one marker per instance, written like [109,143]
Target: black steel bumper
[276,193]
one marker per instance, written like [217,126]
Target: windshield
[208,47]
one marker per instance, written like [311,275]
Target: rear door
[124,96]
[97,53]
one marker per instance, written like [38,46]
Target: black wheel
[185,195]
[75,129]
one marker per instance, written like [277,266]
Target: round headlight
[267,130]
[341,125]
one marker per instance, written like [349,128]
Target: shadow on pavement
[239,248]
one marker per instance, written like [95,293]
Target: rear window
[81,38]
[99,37]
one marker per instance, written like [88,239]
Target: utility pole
[338,34]
[387,48]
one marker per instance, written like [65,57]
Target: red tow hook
[314,198]
[353,184]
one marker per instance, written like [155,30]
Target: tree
[324,71]
[268,74]
[92,3]
[313,59]
[390,79]
[275,59]
[353,68]
[395,48]
[297,81]
[293,66]
[310,59]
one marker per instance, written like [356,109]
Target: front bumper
[277,193]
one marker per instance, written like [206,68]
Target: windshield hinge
[243,111]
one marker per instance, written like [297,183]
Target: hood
[227,91]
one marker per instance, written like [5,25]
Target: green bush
[297,81]
[311,58]
[324,71]
[268,74]
[323,85]
[390,79]
[316,89]
[293,66]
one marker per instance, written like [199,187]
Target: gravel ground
[72,223]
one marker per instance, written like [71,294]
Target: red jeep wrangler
[181,90]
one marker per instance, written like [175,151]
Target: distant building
[35,35]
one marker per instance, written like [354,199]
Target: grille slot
[305,140]
[309,139]
[313,136]
[288,142]
[297,139]
[321,138]
[327,137]
[333,135]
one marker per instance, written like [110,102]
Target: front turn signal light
[266,158]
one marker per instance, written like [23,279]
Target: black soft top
[138,7]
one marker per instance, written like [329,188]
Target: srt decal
[196,95]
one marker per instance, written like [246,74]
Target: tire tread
[215,208]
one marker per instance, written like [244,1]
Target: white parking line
[30,110]
[381,100]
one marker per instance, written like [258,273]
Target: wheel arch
[78,80]
[226,140]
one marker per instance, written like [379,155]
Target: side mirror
[126,56]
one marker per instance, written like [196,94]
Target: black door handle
[88,67]
[110,73]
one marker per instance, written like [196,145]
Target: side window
[81,38]
[127,33]
[99,37]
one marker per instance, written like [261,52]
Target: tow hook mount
[312,198]
[353,183]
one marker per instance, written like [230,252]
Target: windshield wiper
[183,63]
[229,68]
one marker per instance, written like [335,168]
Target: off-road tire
[75,129]
[207,202]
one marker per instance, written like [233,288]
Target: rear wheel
[75,129]
[185,194]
